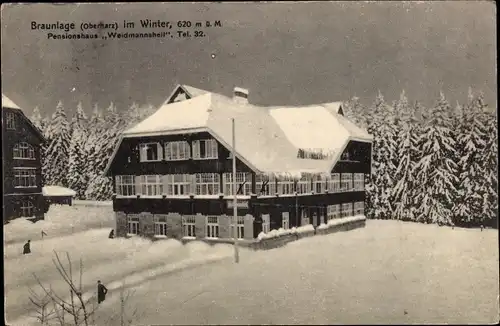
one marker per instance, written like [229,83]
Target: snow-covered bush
[305,228]
[323,226]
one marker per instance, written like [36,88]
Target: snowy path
[389,272]
[59,221]
[136,260]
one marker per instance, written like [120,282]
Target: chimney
[240,95]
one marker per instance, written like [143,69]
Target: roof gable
[184,92]
[7,103]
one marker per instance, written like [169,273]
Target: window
[304,185]
[133,224]
[266,223]
[207,183]
[27,209]
[319,184]
[150,152]
[212,226]
[178,184]
[160,225]
[285,220]
[177,151]
[205,149]
[346,210]
[125,185]
[240,228]
[265,185]
[188,226]
[305,217]
[243,183]
[333,211]
[151,185]
[286,186]
[10,120]
[24,177]
[24,151]
[334,183]
[359,208]
[346,183]
[359,181]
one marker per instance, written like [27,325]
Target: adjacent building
[295,165]
[21,164]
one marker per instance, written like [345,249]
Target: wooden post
[235,205]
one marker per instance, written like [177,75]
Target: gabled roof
[7,103]
[267,138]
[190,91]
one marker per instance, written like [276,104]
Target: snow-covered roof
[267,138]
[7,103]
[55,191]
[193,91]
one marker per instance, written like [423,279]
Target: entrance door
[315,219]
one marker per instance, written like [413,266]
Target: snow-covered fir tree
[37,119]
[146,111]
[133,115]
[436,170]
[41,123]
[490,168]
[100,187]
[55,166]
[77,177]
[384,152]
[356,112]
[403,192]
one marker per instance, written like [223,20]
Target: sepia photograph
[250,163]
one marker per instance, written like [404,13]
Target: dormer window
[10,121]
[345,156]
[150,152]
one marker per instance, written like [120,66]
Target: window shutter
[160,151]
[168,151]
[142,153]
[138,185]
[196,149]
[214,148]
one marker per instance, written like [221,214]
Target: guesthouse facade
[21,163]
[172,172]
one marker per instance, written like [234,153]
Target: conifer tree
[55,166]
[490,168]
[403,192]
[436,170]
[77,177]
[356,112]
[384,152]
[37,119]
[100,186]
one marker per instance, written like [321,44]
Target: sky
[284,53]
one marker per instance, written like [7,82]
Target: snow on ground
[389,272]
[59,220]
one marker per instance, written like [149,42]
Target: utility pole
[235,202]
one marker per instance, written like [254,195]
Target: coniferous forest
[435,164]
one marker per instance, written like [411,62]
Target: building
[295,165]
[21,163]
[58,195]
